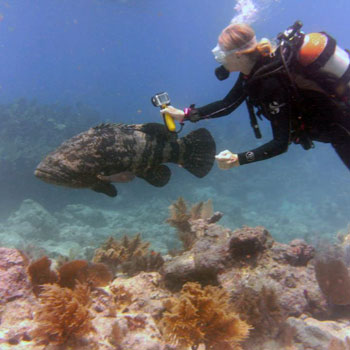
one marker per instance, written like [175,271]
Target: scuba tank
[327,63]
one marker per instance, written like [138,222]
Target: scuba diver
[301,85]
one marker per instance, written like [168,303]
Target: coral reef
[203,316]
[247,244]
[68,274]
[63,314]
[299,253]
[261,309]
[334,280]
[40,273]
[14,281]
[128,255]
[182,218]
[204,297]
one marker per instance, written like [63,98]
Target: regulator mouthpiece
[222,73]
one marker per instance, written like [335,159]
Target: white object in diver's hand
[175,113]
[227,160]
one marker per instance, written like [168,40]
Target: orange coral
[96,275]
[40,273]
[70,272]
[203,316]
[63,314]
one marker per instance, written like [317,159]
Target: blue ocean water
[112,56]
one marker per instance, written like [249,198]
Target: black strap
[253,121]
[325,55]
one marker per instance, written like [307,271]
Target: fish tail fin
[197,152]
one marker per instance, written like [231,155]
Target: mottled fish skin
[92,157]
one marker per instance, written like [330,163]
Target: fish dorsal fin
[107,125]
[157,176]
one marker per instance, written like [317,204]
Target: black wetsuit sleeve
[276,107]
[222,107]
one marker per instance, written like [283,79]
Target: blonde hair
[239,35]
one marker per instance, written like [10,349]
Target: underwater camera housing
[162,100]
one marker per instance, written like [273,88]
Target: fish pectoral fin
[105,188]
[158,176]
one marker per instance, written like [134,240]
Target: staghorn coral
[182,218]
[202,316]
[128,255]
[63,314]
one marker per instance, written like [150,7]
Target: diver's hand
[175,113]
[227,160]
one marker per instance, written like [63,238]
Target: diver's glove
[227,160]
[175,113]
[190,113]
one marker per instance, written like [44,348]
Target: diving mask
[220,54]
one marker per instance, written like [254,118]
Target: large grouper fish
[110,153]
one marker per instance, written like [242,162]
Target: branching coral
[63,314]
[181,217]
[128,255]
[203,316]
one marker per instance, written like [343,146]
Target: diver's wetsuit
[322,118]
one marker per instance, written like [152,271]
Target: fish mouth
[52,177]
